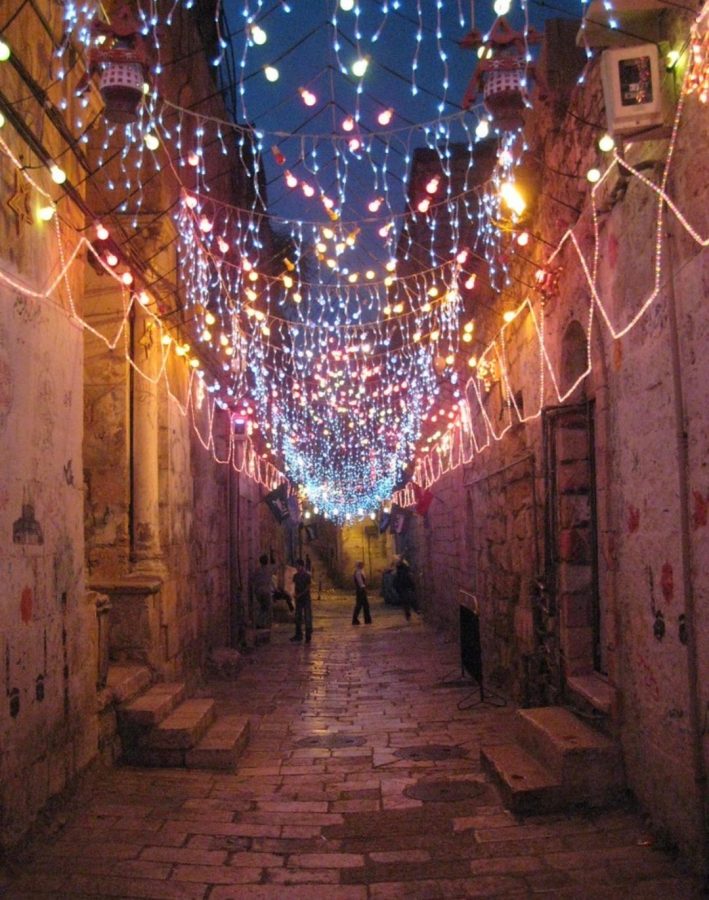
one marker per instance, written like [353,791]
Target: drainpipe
[690,608]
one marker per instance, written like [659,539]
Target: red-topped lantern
[502,73]
[123,64]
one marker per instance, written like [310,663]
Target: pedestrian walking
[388,591]
[303,603]
[361,599]
[404,586]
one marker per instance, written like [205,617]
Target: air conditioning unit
[631,88]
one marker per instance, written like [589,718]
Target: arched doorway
[571,528]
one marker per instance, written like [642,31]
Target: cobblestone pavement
[361,780]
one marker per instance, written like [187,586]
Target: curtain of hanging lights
[340,341]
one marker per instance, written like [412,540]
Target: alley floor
[361,780]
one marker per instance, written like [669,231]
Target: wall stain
[26,605]
[633,518]
[701,509]
[667,582]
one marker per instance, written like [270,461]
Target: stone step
[221,746]
[124,682]
[586,762]
[152,707]
[524,784]
[184,727]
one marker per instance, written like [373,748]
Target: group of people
[397,586]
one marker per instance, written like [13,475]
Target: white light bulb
[58,175]
[359,67]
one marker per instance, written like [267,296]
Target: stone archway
[574,362]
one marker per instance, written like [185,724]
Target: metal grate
[449,791]
[431,752]
[331,741]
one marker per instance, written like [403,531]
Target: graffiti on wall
[27,530]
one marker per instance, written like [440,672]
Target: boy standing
[361,599]
[303,603]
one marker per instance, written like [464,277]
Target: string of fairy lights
[337,291]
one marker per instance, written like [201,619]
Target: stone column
[146,554]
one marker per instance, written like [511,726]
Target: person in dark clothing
[404,586]
[263,585]
[361,599]
[303,603]
[388,590]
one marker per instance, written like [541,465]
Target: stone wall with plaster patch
[48,661]
[522,508]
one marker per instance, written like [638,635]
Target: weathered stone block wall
[47,623]
[362,542]
[650,398]
[106,431]
[194,516]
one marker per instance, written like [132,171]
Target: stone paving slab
[341,822]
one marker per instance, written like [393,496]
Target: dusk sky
[301,44]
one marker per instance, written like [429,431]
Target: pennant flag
[277,502]
[424,499]
[294,509]
[398,520]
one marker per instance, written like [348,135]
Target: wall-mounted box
[631,88]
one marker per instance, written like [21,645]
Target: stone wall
[582,533]
[106,481]
[48,665]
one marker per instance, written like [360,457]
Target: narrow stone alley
[361,780]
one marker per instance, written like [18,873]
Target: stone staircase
[161,726]
[556,762]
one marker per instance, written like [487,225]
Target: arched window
[574,361]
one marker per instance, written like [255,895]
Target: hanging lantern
[123,63]
[502,73]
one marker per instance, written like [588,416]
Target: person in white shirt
[361,599]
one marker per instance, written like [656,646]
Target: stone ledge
[594,689]
[130,584]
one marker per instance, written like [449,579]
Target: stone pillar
[146,553]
